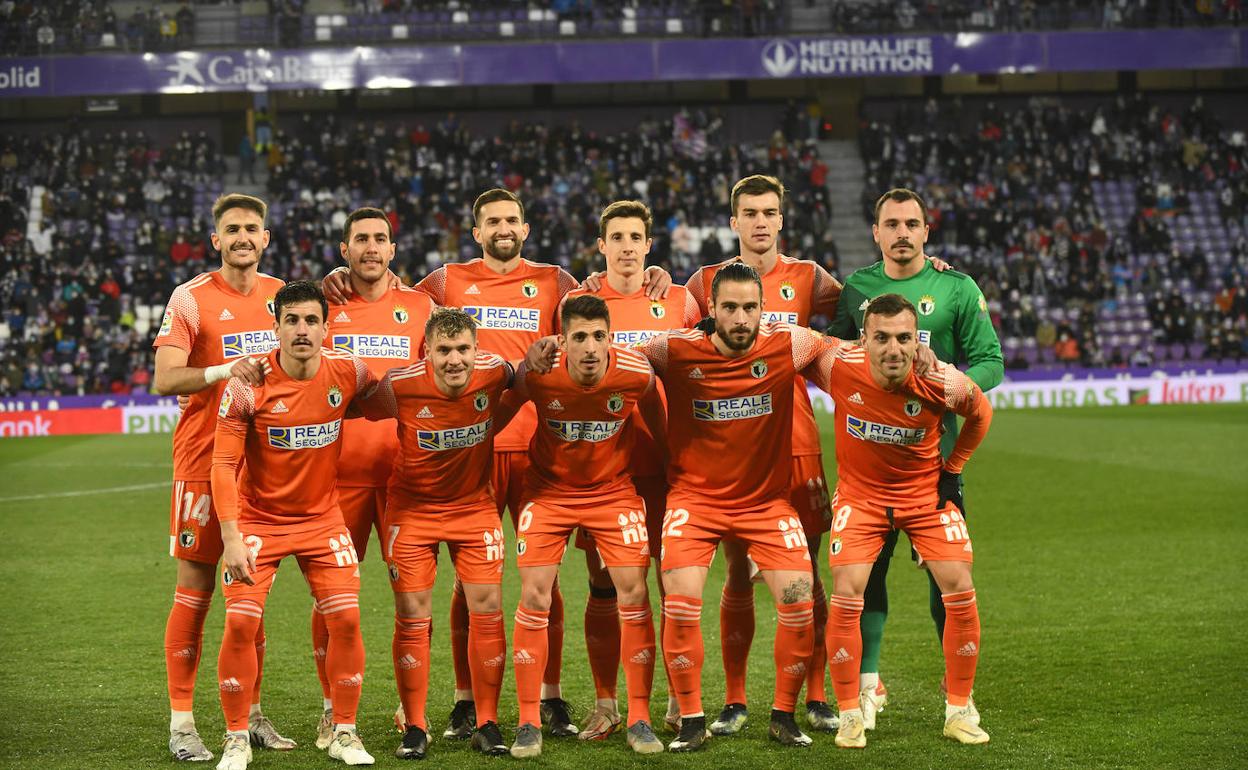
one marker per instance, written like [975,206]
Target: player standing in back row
[213,326]
[953,321]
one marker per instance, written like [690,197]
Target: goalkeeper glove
[949,489]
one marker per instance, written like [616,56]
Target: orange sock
[816,688]
[262,644]
[236,663]
[344,661]
[844,646]
[554,639]
[637,651]
[602,642]
[411,666]
[487,644]
[184,641]
[736,634]
[961,644]
[320,643]
[529,640]
[683,652]
[794,637]
[459,639]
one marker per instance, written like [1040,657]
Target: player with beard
[513,302]
[384,327]
[953,320]
[216,326]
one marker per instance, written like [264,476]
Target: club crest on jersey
[335,396]
[758,369]
[481,400]
[521,546]
[657,310]
[616,402]
[272,307]
[528,289]
[913,408]
[226,577]
[166,323]
[400,314]
[394,572]
[186,538]
[787,292]
[927,304]
[836,546]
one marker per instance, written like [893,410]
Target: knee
[535,597]
[344,622]
[242,622]
[488,603]
[633,593]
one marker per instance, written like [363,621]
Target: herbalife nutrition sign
[848,56]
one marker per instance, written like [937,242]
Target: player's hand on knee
[656,281]
[337,285]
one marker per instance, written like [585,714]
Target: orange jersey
[446,443]
[385,334]
[888,441]
[584,438]
[636,318]
[288,432]
[730,419]
[512,312]
[793,291]
[213,324]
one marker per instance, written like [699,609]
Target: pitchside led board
[617,61]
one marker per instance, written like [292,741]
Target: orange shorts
[194,532]
[809,494]
[653,491]
[694,526]
[363,509]
[618,528]
[473,534]
[508,481]
[322,546]
[859,530]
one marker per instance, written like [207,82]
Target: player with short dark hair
[953,320]
[891,475]
[216,326]
[274,458]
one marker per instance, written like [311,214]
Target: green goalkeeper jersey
[953,322]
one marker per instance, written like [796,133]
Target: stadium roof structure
[605,61]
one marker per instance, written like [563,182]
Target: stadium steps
[810,17]
[215,25]
[258,189]
[846,178]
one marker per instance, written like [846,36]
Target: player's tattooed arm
[798,590]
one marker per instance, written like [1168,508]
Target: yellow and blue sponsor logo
[739,408]
[453,438]
[880,433]
[374,345]
[585,430]
[528,319]
[248,343]
[304,436]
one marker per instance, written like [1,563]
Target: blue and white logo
[779,58]
[865,430]
[527,319]
[305,436]
[247,343]
[374,345]
[740,408]
[585,430]
[453,438]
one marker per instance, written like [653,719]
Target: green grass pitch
[1110,568]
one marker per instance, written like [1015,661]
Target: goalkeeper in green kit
[954,323]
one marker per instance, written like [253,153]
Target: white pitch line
[83,492]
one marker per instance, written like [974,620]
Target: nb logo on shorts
[344,551]
[792,532]
[633,528]
[493,544]
[955,526]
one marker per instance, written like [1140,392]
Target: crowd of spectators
[73,26]
[1012,202]
[119,222]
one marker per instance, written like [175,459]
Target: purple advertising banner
[36,403]
[620,61]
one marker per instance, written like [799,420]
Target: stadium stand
[147,25]
[1101,236]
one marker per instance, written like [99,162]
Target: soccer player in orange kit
[578,478]
[624,241]
[283,502]
[730,413]
[384,327]
[216,326]
[440,492]
[794,290]
[891,475]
